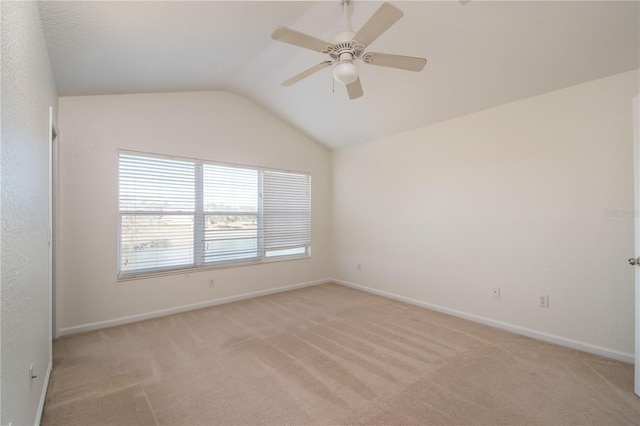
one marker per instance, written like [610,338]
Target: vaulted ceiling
[480,55]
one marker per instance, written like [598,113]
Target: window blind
[181,214]
[157,213]
[287,216]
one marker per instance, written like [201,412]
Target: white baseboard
[43,394]
[574,344]
[562,341]
[184,308]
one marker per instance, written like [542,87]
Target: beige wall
[534,197]
[216,126]
[28,91]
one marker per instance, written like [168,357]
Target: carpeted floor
[328,355]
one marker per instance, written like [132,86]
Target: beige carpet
[328,355]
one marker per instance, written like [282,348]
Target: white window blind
[287,217]
[157,214]
[183,214]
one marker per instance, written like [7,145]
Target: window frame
[199,225]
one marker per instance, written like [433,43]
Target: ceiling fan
[347,46]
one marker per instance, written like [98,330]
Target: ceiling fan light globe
[345,73]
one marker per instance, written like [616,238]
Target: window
[180,214]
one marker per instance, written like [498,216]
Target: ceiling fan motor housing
[343,47]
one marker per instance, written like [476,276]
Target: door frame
[636,186]
[53,217]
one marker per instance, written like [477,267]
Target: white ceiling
[479,55]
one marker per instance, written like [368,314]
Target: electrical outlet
[212,283]
[543,300]
[495,293]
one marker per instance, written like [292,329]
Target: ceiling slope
[480,55]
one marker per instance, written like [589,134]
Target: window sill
[149,275]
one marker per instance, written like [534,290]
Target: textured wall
[27,92]
[534,197]
[217,126]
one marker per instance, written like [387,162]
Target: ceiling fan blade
[307,73]
[355,89]
[409,63]
[287,35]
[385,17]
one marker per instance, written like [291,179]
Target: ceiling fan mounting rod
[345,14]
